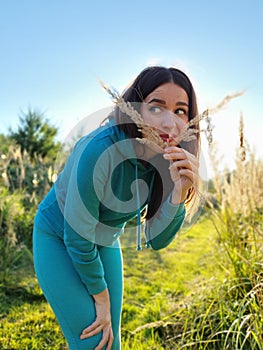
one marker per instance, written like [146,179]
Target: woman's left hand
[184,171]
[102,322]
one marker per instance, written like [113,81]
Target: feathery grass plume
[242,148]
[209,129]
[225,101]
[239,191]
[127,108]
[244,194]
[187,134]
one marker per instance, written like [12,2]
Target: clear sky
[53,52]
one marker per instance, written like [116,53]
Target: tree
[36,135]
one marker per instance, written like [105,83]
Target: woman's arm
[161,230]
[184,174]
[82,223]
[82,216]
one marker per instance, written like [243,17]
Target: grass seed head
[188,133]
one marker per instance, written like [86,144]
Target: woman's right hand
[102,322]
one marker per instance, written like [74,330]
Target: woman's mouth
[168,139]
[165,137]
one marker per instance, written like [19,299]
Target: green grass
[27,321]
[181,297]
[155,282]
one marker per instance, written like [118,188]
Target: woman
[112,175]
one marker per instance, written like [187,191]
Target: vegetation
[202,292]
[36,135]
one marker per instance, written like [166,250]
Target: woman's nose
[168,121]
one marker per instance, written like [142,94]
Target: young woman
[112,175]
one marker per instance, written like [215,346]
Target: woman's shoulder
[106,133]
[97,138]
[95,143]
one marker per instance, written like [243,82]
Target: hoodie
[103,186]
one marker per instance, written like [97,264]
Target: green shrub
[12,251]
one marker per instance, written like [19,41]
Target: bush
[12,250]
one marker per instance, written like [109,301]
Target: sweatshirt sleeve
[86,260]
[81,214]
[162,229]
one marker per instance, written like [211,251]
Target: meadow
[204,291]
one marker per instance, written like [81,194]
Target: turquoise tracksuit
[78,224]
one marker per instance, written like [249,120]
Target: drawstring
[138,210]
[147,245]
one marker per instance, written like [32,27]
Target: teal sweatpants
[65,292]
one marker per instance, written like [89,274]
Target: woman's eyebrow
[179,103]
[157,100]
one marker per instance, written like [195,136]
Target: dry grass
[187,133]
[239,191]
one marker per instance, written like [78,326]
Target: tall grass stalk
[228,315]
[240,235]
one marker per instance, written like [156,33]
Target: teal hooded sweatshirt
[103,185]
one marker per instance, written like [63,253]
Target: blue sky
[53,53]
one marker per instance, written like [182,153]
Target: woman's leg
[67,295]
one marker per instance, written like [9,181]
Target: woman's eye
[180,111]
[155,109]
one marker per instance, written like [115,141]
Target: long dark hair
[147,81]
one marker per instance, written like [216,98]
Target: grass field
[157,283]
[203,292]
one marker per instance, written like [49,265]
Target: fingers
[95,328]
[107,338]
[192,176]
[176,153]
[110,340]
[181,159]
[184,166]
[91,328]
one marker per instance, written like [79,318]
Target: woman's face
[166,109]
